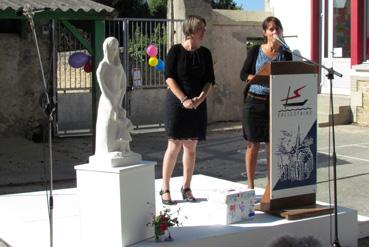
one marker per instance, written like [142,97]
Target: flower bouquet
[162,223]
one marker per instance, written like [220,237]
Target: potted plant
[162,223]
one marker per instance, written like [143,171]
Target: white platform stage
[24,221]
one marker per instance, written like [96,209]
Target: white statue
[112,126]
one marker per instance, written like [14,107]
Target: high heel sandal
[166,202]
[187,197]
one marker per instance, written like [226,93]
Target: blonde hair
[192,24]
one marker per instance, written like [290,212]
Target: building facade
[334,33]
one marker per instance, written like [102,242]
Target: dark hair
[271,19]
[192,24]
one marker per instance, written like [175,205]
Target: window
[341,28]
[251,41]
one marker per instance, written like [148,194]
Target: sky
[251,5]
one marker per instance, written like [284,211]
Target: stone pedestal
[116,203]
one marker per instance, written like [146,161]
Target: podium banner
[293,134]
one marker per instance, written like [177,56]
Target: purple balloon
[78,59]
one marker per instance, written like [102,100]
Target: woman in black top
[189,74]
[255,120]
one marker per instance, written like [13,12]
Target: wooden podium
[293,137]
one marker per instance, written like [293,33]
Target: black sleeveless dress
[191,70]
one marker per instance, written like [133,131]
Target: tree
[128,8]
[155,8]
[224,4]
[158,8]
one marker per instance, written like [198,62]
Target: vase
[164,237]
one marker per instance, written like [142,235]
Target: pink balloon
[152,50]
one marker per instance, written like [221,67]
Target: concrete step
[363,223]
[341,109]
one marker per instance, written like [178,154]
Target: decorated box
[227,206]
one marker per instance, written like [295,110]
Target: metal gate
[73,83]
[146,90]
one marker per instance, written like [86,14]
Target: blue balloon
[78,59]
[160,66]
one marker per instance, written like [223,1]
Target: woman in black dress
[189,74]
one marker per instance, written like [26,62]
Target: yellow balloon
[153,61]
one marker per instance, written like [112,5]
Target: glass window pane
[341,28]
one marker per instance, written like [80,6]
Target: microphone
[281,41]
[28,9]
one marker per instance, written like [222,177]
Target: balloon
[160,66]
[78,59]
[88,67]
[152,50]
[153,61]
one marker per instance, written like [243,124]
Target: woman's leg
[251,157]
[189,158]
[169,161]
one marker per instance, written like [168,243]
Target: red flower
[163,227]
[163,222]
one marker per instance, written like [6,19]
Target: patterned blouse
[260,61]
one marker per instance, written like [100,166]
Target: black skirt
[182,123]
[255,120]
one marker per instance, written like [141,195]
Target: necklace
[272,49]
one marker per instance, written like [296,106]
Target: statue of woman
[112,126]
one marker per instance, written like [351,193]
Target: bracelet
[184,99]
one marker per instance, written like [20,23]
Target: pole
[336,242]
[49,109]
[172,23]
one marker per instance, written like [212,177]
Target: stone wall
[21,81]
[230,32]
[360,94]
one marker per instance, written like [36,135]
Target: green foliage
[157,8]
[128,8]
[224,4]
[164,221]
[137,45]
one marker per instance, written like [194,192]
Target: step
[363,223]
[341,109]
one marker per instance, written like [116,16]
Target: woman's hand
[196,102]
[188,104]
[250,77]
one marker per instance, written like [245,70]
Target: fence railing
[134,36]
[70,79]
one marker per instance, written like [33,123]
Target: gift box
[227,206]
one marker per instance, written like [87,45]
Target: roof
[57,5]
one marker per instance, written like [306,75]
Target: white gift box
[227,206]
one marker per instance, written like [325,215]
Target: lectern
[293,134]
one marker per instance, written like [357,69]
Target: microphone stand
[330,76]
[49,109]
